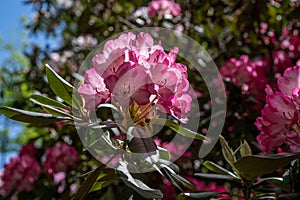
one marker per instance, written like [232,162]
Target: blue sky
[11,28]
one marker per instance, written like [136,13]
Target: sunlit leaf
[59,86]
[217,176]
[40,99]
[179,129]
[245,149]
[202,195]
[218,169]
[29,116]
[227,151]
[251,167]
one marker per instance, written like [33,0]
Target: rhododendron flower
[20,173]
[60,158]
[247,74]
[29,149]
[94,91]
[133,70]
[281,113]
[289,81]
[162,8]
[280,62]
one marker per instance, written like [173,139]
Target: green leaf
[39,99]
[164,153]
[136,184]
[202,195]
[217,176]
[274,180]
[179,129]
[54,111]
[245,149]
[29,116]
[59,86]
[218,169]
[51,109]
[290,177]
[88,183]
[107,177]
[227,151]
[251,167]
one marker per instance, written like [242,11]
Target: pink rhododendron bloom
[132,69]
[289,81]
[162,8]
[94,91]
[247,74]
[280,62]
[278,116]
[281,113]
[29,149]
[294,137]
[60,158]
[20,173]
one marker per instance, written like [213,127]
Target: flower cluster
[252,75]
[60,158]
[247,74]
[163,8]
[279,121]
[21,172]
[133,70]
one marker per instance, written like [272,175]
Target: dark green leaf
[88,183]
[218,169]
[47,101]
[274,180]
[245,149]
[107,177]
[217,176]
[136,184]
[251,167]
[59,86]
[52,110]
[292,174]
[227,151]
[179,129]
[30,117]
[202,195]
[292,196]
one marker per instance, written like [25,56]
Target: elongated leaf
[52,110]
[107,177]
[251,167]
[59,86]
[48,101]
[29,116]
[274,180]
[227,151]
[136,184]
[218,169]
[291,176]
[88,183]
[183,181]
[245,149]
[164,154]
[179,129]
[202,195]
[217,176]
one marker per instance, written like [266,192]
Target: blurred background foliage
[225,28]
